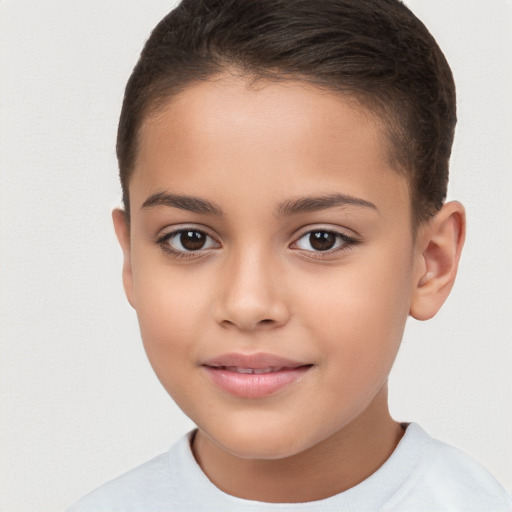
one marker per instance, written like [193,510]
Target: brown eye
[322,240]
[185,241]
[192,240]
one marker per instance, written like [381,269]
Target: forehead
[231,132]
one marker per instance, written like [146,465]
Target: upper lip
[260,360]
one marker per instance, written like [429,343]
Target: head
[284,167]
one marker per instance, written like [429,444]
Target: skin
[258,285]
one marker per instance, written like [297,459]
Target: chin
[260,441]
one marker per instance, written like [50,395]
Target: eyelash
[343,243]
[163,241]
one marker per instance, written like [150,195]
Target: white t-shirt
[422,475]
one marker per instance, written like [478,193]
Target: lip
[254,375]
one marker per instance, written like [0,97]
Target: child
[284,166]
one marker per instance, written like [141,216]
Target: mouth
[255,371]
[254,376]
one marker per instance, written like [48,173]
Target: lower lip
[253,385]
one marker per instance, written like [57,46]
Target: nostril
[258,324]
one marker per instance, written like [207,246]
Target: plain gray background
[79,402]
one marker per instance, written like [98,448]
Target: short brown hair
[376,51]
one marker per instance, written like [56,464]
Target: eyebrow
[287,208]
[314,204]
[189,203]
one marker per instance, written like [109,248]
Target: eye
[323,240]
[187,240]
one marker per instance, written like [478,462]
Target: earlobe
[440,245]
[122,229]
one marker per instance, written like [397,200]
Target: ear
[439,246]
[122,229]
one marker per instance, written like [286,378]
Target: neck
[332,466]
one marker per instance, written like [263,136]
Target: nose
[252,296]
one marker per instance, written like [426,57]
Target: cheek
[171,313]
[359,313]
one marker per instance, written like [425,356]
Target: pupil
[192,240]
[322,240]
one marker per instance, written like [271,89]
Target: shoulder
[448,479]
[149,487]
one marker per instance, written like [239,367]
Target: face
[271,261]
